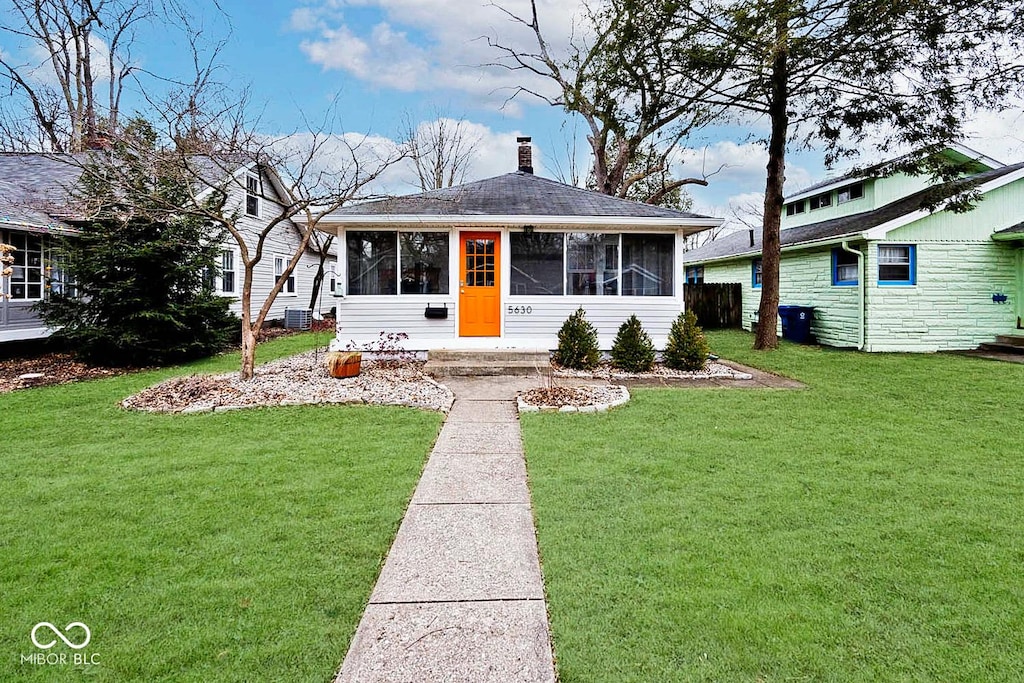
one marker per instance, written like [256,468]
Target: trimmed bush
[633,350]
[577,343]
[687,348]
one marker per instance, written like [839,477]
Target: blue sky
[388,60]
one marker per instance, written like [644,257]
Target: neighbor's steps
[1005,343]
[452,363]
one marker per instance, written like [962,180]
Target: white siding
[282,241]
[539,318]
[362,319]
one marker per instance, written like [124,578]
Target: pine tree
[577,343]
[687,349]
[142,296]
[633,350]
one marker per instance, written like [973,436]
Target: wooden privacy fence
[716,305]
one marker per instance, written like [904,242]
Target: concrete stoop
[460,363]
[1005,343]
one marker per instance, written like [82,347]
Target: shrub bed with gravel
[297,380]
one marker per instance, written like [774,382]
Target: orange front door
[479,298]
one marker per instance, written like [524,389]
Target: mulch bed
[55,368]
[62,368]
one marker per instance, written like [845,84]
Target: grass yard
[868,528]
[235,546]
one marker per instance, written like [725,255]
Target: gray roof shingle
[738,244]
[512,194]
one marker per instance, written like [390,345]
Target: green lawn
[867,528]
[238,546]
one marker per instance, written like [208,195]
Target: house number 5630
[520,310]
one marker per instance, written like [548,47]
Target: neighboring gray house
[35,206]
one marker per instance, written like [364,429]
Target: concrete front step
[1001,347]
[1010,339]
[452,363]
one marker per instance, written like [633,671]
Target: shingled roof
[738,244]
[512,194]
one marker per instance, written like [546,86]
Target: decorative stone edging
[525,407]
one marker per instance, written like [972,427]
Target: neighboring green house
[884,273]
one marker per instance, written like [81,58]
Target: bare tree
[441,150]
[619,80]
[61,104]
[300,179]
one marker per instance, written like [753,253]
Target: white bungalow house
[502,262]
[35,207]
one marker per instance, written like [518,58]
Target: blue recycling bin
[796,323]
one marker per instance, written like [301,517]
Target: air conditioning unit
[298,318]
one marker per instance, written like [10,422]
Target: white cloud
[495,154]
[430,45]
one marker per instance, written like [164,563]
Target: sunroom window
[387,262]
[424,259]
[592,263]
[537,260]
[647,262]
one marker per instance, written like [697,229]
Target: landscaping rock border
[605,371]
[601,399]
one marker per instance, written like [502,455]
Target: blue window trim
[691,274]
[836,282]
[913,267]
[753,273]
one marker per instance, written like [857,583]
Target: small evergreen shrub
[633,350]
[577,343]
[687,349]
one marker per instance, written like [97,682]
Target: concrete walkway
[461,596]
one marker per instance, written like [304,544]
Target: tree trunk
[248,352]
[771,250]
[248,333]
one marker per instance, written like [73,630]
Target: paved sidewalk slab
[461,597]
[480,438]
[462,552]
[490,388]
[461,478]
[482,411]
[481,642]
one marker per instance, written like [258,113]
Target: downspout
[861,285]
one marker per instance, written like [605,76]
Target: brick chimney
[525,155]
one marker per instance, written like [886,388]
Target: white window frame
[289,288]
[342,274]
[252,191]
[234,271]
[43,282]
